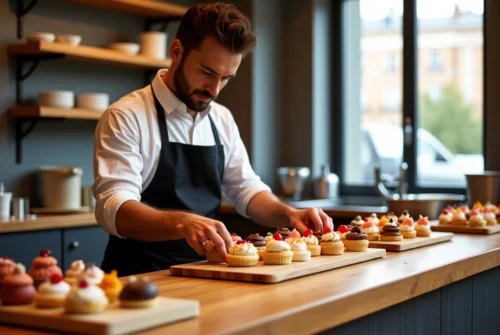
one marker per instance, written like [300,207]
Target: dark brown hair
[222,21]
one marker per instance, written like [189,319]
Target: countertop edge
[419,283]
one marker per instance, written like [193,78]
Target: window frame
[409,102]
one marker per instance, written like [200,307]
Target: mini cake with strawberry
[277,251]
[86,298]
[312,243]
[242,254]
[111,285]
[343,230]
[92,274]
[490,218]
[407,228]
[390,231]
[446,216]
[74,272]
[403,216]
[459,217]
[43,267]
[18,288]
[465,209]
[476,218]
[356,240]
[52,293]
[371,230]
[294,234]
[7,266]
[331,243]
[423,227]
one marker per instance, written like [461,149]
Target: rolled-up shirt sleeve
[240,182]
[117,166]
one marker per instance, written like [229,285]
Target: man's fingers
[224,234]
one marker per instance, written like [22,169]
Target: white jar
[154,44]
[61,187]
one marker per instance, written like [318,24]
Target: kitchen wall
[68,142]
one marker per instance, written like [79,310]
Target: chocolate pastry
[389,230]
[256,240]
[139,289]
[356,234]
[283,231]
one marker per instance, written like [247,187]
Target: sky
[372,10]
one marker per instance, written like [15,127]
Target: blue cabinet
[86,243]
[67,245]
[25,246]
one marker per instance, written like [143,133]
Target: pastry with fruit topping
[407,228]
[356,240]
[331,243]
[459,217]
[73,273]
[374,218]
[403,216]
[18,288]
[242,253]
[446,216]
[268,237]
[423,227]
[7,266]
[52,293]
[277,251]
[111,285]
[476,218]
[343,230]
[139,293]
[312,243]
[86,298]
[43,267]
[371,230]
[381,223]
[391,232]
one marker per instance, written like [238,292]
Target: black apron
[188,177]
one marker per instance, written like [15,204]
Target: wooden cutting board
[412,243]
[274,273]
[114,320]
[466,229]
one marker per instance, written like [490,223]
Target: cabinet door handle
[74,245]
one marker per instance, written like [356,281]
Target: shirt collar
[169,101]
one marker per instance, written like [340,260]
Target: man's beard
[184,91]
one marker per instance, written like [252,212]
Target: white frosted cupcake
[75,272]
[312,243]
[277,252]
[358,221]
[459,217]
[374,218]
[86,298]
[299,249]
[52,293]
[445,217]
[242,254]
[331,243]
[370,228]
[490,218]
[92,274]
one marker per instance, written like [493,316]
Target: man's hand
[311,218]
[204,234]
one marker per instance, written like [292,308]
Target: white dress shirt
[127,148]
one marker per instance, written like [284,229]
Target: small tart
[242,254]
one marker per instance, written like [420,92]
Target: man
[165,154]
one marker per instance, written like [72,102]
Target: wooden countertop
[326,299]
[44,222]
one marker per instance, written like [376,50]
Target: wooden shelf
[145,8]
[86,54]
[51,112]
